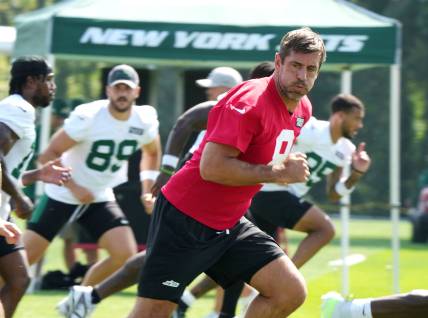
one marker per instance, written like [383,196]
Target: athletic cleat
[78,303]
[63,307]
[330,305]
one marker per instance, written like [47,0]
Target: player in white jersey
[329,149]
[96,141]
[219,81]
[31,86]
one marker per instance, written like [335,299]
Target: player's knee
[18,284]
[291,298]
[329,230]
[323,228]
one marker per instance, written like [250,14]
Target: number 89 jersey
[104,144]
[323,155]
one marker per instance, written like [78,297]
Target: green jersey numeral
[103,151]
[318,168]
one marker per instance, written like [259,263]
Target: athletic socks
[361,308]
[95,298]
[230,299]
[186,300]
[357,308]
[246,301]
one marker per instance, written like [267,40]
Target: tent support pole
[394,171]
[346,88]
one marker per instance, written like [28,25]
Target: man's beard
[42,101]
[289,94]
[119,109]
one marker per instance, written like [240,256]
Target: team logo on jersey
[136,130]
[340,155]
[299,122]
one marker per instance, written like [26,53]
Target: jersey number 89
[102,152]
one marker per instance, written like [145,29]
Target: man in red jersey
[197,224]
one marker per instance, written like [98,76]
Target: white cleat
[63,307]
[78,303]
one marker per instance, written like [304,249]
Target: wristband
[148,174]
[357,171]
[169,160]
[341,189]
[167,171]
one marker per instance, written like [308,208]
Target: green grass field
[371,278]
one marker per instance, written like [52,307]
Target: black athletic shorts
[272,209]
[97,218]
[6,248]
[180,248]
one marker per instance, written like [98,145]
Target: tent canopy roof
[194,32]
[238,12]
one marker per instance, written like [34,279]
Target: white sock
[246,301]
[361,308]
[188,298]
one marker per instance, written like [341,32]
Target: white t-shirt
[104,144]
[19,116]
[324,156]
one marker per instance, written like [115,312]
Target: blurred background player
[31,86]
[194,119]
[96,140]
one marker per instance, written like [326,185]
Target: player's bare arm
[149,166]
[337,187]
[194,119]
[50,172]
[219,164]
[23,205]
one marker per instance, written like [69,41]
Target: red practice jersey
[253,119]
